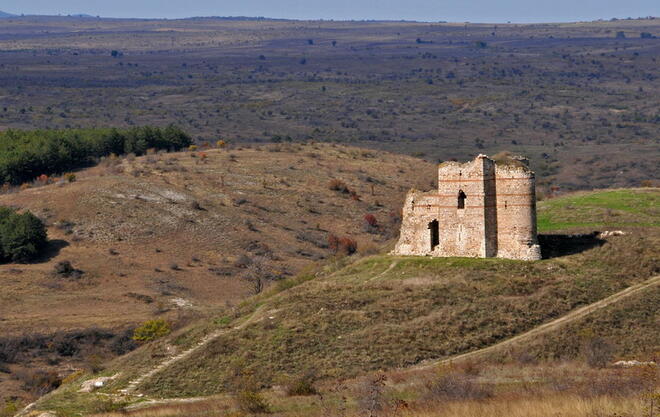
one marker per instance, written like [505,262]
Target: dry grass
[558,405]
[517,391]
[127,228]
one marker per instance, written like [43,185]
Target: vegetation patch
[28,154]
[608,208]
[22,236]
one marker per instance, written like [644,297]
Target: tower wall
[516,213]
[497,216]
[463,232]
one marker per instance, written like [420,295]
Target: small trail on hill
[550,326]
[535,332]
[134,384]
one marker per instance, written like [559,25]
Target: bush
[9,408]
[151,330]
[123,342]
[65,269]
[342,245]
[339,185]
[250,401]
[598,352]
[22,236]
[371,220]
[39,382]
[455,385]
[302,385]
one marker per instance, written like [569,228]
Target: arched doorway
[434,230]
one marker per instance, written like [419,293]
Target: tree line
[27,154]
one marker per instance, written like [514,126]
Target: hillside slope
[390,312]
[169,235]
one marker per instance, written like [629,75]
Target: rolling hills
[384,312]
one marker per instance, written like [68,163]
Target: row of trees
[26,154]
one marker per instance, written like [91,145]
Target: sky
[518,11]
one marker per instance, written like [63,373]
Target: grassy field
[607,208]
[384,312]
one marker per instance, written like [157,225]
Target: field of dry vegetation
[178,235]
[579,99]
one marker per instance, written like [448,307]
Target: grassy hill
[168,235]
[384,312]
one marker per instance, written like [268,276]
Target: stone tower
[482,208]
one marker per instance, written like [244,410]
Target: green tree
[22,236]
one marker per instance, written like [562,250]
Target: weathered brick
[481,209]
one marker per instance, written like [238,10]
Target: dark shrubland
[25,155]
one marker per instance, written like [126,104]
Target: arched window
[461,199]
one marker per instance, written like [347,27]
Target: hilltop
[172,235]
[385,312]
[4,14]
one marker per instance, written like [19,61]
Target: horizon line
[238,17]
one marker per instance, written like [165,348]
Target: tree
[257,273]
[22,236]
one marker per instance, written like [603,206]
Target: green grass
[611,208]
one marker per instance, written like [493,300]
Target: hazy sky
[428,10]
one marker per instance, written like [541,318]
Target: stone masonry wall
[497,218]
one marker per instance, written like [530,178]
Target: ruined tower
[482,208]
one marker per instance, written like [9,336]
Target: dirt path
[134,384]
[389,268]
[548,327]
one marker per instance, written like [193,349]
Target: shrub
[22,236]
[123,342]
[455,385]
[338,185]
[343,245]
[9,409]
[302,384]
[151,330]
[250,401]
[598,352]
[371,395]
[70,177]
[39,382]
[370,219]
[65,269]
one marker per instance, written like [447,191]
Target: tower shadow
[558,245]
